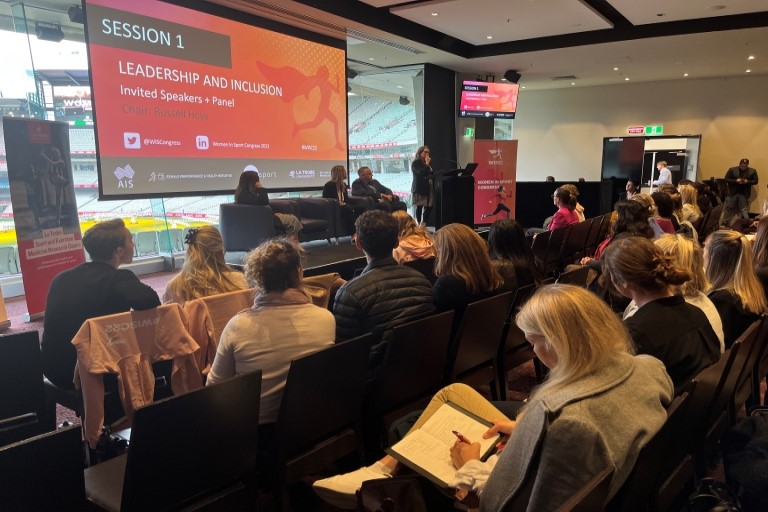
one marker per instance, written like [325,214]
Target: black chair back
[44,473]
[21,385]
[576,277]
[244,226]
[323,396]
[477,340]
[591,496]
[575,243]
[554,247]
[414,362]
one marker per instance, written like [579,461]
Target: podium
[454,198]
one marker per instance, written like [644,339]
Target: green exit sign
[657,129]
[469,132]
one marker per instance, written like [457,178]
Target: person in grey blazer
[598,407]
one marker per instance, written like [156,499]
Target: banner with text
[495,180]
[43,201]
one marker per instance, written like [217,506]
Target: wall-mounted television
[488,99]
[185,99]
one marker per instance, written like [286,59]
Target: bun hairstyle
[564,195]
[639,262]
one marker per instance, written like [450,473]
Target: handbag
[397,494]
[713,496]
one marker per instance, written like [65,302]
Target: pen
[461,437]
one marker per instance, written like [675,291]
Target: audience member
[736,292]
[578,208]
[704,196]
[630,189]
[385,294]
[565,214]
[664,326]
[251,191]
[760,253]
[647,202]
[686,253]
[90,290]
[463,269]
[690,197]
[740,181]
[421,188]
[511,255]
[567,430]
[550,179]
[204,271]
[631,220]
[337,189]
[282,325]
[366,186]
[414,241]
[665,211]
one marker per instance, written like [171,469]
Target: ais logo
[124,176]
[131,140]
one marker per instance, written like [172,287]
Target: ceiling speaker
[512,76]
[48,31]
[75,13]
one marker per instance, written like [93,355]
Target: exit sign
[469,132]
[636,130]
[657,129]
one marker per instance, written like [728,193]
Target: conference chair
[654,465]
[184,450]
[539,247]
[43,473]
[22,397]
[594,232]
[320,413]
[514,349]
[712,222]
[574,244]
[244,226]
[576,277]
[472,356]
[146,243]
[412,369]
[752,350]
[591,496]
[551,263]
[7,265]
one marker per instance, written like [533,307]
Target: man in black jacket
[366,186]
[740,181]
[385,294]
[90,290]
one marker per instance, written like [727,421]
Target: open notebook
[427,450]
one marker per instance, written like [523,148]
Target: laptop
[182,449]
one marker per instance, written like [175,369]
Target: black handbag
[713,496]
[398,494]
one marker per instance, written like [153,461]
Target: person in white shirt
[665,175]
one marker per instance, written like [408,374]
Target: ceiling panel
[503,20]
[657,11]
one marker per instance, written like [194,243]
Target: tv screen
[186,100]
[488,99]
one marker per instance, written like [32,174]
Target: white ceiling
[541,38]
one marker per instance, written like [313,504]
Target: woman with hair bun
[204,272]
[565,214]
[664,326]
[736,291]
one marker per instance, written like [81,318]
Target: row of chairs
[162,241]
[555,249]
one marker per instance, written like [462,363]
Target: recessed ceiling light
[573,83]
[615,69]
[523,87]
[399,86]
[749,71]
[371,58]
[751,57]
[503,79]
[489,37]
[435,13]
[626,79]
[685,74]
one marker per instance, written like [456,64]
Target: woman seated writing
[204,272]
[664,325]
[736,292]
[598,406]
[282,325]
[414,242]
[251,191]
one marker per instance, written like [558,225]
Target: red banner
[495,180]
[43,201]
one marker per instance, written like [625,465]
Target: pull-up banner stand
[43,202]
[495,180]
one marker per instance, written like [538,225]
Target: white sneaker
[340,490]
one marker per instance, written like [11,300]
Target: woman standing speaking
[421,189]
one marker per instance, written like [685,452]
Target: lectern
[454,198]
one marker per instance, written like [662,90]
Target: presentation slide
[184,101]
[487,99]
